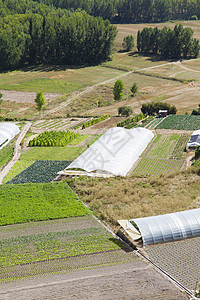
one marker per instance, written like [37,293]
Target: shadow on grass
[150,57]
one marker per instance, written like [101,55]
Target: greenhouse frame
[168,227]
[7,132]
[194,139]
[114,153]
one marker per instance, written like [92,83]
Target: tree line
[53,37]
[133,11]
[169,43]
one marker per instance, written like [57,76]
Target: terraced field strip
[49,247]
[164,155]
[180,122]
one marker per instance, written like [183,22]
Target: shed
[194,140]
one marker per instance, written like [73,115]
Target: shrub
[118,89]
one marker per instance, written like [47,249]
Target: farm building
[7,132]
[162,113]
[113,154]
[194,140]
[164,228]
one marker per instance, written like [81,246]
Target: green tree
[125,111]
[134,89]
[118,89]
[128,42]
[40,101]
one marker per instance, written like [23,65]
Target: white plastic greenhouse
[114,152]
[7,132]
[165,228]
[194,140]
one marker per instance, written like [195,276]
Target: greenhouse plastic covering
[115,151]
[169,227]
[7,132]
[194,140]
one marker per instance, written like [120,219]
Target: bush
[128,42]
[53,138]
[125,111]
[94,121]
[134,88]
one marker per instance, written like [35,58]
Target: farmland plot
[180,122]
[40,171]
[40,201]
[164,157]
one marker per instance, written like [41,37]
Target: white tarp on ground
[114,152]
[7,132]
[169,227]
[194,140]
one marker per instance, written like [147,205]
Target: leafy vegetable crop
[40,247]
[180,122]
[38,201]
[40,171]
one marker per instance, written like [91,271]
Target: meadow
[33,202]
[135,197]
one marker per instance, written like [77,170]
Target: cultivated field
[164,155]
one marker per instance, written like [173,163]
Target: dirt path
[88,89]
[17,150]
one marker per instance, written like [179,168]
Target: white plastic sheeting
[7,132]
[194,140]
[115,151]
[169,227]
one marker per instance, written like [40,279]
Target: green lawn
[45,85]
[21,203]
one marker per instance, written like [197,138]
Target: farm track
[17,150]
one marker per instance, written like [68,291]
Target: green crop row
[156,166]
[94,121]
[38,201]
[40,247]
[131,120]
[180,122]
[53,139]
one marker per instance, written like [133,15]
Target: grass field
[34,202]
[180,122]
[131,197]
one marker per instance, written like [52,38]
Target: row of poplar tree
[132,11]
[50,36]
[169,43]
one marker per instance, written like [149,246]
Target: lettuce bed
[21,203]
[40,171]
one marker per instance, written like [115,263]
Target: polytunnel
[194,139]
[168,227]
[7,132]
[114,152]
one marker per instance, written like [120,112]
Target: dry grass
[131,197]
